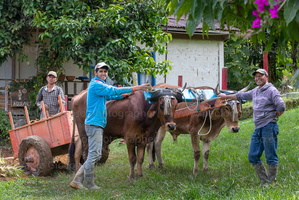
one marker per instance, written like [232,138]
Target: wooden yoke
[203,106]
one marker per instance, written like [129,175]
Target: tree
[121,33]
[256,16]
[271,24]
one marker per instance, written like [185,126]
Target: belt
[93,125]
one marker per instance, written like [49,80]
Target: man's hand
[144,87]
[222,95]
[127,95]
[278,114]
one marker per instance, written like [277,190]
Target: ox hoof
[132,180]
[195,172]
[206,170]
[161,166]
[151,166]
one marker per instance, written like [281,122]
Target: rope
[197,100]
[208,113]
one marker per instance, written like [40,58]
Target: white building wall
[199,62]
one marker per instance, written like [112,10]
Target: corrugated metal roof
[181,25]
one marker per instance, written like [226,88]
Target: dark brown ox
[204,126]
[134,119]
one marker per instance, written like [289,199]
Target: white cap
[261,71]
[101,65]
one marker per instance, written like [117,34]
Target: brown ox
[204,126]
[134,119]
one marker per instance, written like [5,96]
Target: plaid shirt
[50,98]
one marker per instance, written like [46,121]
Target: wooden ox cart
[36,143]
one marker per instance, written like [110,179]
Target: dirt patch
[6,152]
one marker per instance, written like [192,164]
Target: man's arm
[225,96]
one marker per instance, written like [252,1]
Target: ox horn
[217,89]
[184,87]
[245,88]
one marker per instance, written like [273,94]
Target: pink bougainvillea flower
[273,12]
[255,13]
[261,4]
[256,23]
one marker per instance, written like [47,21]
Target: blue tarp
[189,95]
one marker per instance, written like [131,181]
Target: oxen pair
[204,126]
[132,118]
[138,122]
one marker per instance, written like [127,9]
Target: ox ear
[152,110]
[215,114]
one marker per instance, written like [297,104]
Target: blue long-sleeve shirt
[266,102]
[97,94]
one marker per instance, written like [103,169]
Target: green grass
[230,176]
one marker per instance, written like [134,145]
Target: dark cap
[101,65]
[261,71]
[52,73]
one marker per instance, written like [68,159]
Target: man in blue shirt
[96,112]
[267,107]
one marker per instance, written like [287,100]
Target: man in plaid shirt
[49,95]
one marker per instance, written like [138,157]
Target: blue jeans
[264,139]
[95,143]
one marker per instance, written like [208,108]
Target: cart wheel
[36,156]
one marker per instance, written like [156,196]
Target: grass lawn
[230,177]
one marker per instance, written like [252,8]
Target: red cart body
[56,131]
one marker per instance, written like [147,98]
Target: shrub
[4,125]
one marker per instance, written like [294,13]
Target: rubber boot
[89,181]
[78,179]
[272,171]
[262,174]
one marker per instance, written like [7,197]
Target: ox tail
[150,148]
[154,152]
[72,148]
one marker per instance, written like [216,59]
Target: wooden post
[43,110]
[66,99]
[27,115]
[224,78]
[60,104]
[6,98]
[11,120]
[265,61]
[180,81]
